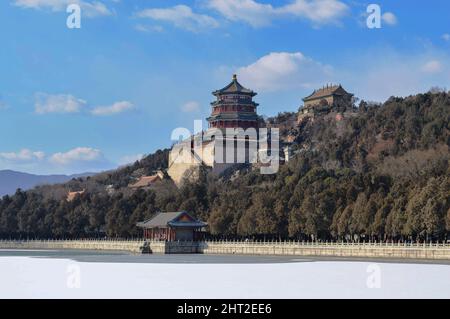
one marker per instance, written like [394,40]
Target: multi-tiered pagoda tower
[234,107]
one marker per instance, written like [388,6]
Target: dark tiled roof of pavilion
[162,220]
[234,87]
[326,91]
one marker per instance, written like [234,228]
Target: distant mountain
[10,181]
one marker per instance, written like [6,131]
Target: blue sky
[75,100]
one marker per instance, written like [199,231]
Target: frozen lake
[90,274]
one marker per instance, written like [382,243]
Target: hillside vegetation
[382,173]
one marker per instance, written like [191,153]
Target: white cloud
[181,16]
[60,103]
[374,74]
[433,66]
[24,155]
[389,18]
[283,70]
[88,8]
[252,12]
[94,9]
[384,72]
[446,37]
[79,154]
[146,28]
[318,11]
[115,108]
[259,14]
[80,159]
[67,103]
[190,107]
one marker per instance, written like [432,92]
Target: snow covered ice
[43,277]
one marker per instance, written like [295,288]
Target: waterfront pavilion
[172,226]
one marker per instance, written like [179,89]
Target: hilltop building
[172,226]
[328,96]
[147,182]
[110,190]
[325,99]
[234,108]
[72,195]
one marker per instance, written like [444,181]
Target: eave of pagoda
[238,103]
[233,117]
[220,93]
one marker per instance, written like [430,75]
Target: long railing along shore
[437,244]
[335,243]
[399,250]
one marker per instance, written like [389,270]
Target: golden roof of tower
[234,87]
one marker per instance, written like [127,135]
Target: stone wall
[120,245]
[301,249]
[373,250]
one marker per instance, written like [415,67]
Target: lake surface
[112,274]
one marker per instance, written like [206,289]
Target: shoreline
[83,255]
[398,252]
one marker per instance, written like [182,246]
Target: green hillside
[380,173]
